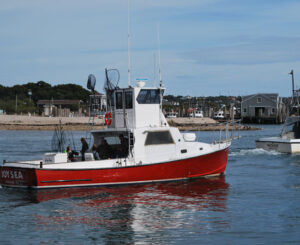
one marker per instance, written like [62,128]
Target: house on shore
[263,108]
[97,104]
[60,108]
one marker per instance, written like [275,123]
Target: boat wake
[253,152]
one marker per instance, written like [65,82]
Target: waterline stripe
[71,180]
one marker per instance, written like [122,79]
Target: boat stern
[17,177]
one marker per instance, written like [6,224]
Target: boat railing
[228,131]
[31,163]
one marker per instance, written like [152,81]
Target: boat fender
[108,118]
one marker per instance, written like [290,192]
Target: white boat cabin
[136,107]
[139,128]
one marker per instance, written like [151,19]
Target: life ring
[108,118]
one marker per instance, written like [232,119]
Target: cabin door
[124,112]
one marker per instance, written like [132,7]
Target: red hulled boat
[137,146]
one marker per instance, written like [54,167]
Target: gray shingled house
[263,108]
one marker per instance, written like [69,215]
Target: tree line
[23,98]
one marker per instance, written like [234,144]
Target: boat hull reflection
[189,191]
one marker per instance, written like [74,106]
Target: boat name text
[9,174]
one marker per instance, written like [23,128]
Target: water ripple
[253,152]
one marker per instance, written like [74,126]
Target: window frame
[118,105]
[149,96]
[129,102]
[169,140]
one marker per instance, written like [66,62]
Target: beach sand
[18,122]
[25,122]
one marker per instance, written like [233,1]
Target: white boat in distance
[197,114]
[289,139]
[287,142]
[172,115]
[219,115]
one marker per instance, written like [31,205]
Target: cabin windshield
[149,96]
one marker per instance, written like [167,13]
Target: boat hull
[279,144]
[205,165]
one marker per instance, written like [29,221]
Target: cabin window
[259,100]
[273,110]
[128,99]
[158,138]
[245,110]
[119,100]
[149,96]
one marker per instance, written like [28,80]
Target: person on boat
[71,154]
[296,130]
[104,150]
[124,146]
[84,148]
[95,153]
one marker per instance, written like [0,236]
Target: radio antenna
[154,70]
[159,71]
[128,23]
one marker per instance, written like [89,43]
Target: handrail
[226,129]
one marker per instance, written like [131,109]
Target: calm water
[257,202]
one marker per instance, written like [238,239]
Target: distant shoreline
[21,122]
[18,122]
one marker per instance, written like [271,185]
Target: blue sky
[208,47]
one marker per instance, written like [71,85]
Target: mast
[128,26]
[159,71]
[293,85]
[160,79]
[154,70]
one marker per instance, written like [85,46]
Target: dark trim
[71,180]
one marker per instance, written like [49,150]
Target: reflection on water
[129,210]
[204,192]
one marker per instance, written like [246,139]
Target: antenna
[154,68]
[128,23]
[293,86]
[159,71]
